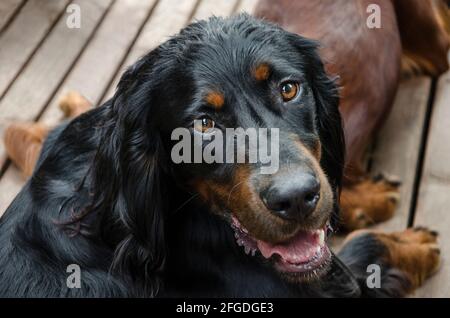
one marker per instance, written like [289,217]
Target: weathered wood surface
[433,206]
[23,36]
[37,82]
[8,8]
[100,60]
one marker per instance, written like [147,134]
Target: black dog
[105,194]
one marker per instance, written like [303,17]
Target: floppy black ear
[329,122]
[128,179]
[328,117]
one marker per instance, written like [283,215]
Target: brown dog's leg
[405,259]
[73,104]
[23,141]
[368,202]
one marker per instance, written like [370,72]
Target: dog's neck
[202,248]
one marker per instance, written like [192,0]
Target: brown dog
[413,38]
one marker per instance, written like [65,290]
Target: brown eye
[204,124]
[289,90]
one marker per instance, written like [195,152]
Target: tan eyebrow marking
[262,72]
[215,99]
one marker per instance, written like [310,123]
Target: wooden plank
[247,6]
[434,195]
[96,67]
[398,145]
[208,8]
[168,17]
[8,8]
[48,67]
[23,36]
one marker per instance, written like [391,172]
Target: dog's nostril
[276,205]
[312,198]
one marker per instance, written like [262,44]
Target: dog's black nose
[293,199]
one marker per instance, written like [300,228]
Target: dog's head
[231,73]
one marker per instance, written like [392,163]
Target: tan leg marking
[74,104]
[23,143]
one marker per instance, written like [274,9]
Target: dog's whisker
[186,202]
[232,189]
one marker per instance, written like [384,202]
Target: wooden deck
[41,59]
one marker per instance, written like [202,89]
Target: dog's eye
[289,90]
[204,124]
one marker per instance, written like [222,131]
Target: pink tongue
[299,250]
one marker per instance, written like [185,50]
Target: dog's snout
[293,198]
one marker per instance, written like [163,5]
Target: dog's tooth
[247,250]
[321,237]
[318,250]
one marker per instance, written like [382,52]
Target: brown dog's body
[368,63]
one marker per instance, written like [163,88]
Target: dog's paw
[369,202]
[421,235]
[414,251]
[73,104]
[23,143]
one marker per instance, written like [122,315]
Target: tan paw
[413,251]
[421,235]
[23,143]
[74,104]
[369,202]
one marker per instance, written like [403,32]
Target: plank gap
[4,168]
[422,153]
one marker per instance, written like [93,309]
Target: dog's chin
[304,257]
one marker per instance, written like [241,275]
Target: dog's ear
[328,118]
[129,182]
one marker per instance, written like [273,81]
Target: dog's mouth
[305,255]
